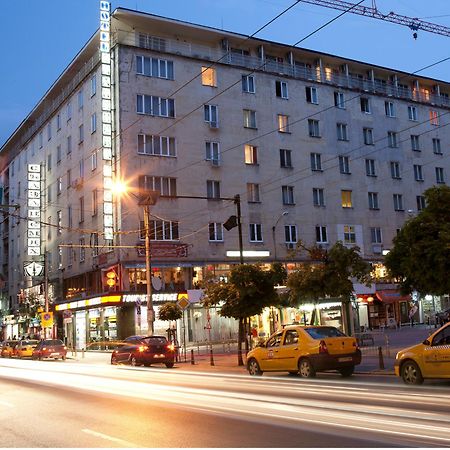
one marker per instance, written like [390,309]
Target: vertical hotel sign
[105,52]
[34,210]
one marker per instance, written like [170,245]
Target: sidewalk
[390,341]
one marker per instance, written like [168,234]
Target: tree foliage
[420,257]
[169,311]
[329,274]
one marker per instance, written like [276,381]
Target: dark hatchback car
[50,348]
[144,350]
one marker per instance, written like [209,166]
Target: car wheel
[253,367]
[169,365]
[63,358]
[411,373]
[306,369]
[347,371]
[40,358]
[133,361]
[114,361]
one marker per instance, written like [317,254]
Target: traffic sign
[183,301]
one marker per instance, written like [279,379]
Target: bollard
[198,349]
[192,357]
[380,358]
[229,347]
[82,352]
[212,358]
[223,347]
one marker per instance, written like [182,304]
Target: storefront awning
[392,296]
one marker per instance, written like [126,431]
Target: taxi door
[286,355]
[437,356]
[268,354]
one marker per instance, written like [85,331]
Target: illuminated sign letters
[34,210]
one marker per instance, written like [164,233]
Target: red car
[50,348]
[144,350]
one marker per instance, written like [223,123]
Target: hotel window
[313,128]
[155,106]
[349,234]
[69,111]
[49,162]
[365,105]
[94,160]
[321,234]
[253,193]
[316,162]
[437,146]
[49,131]
[213,189]
[59,221]
[389,109]
[80,134]
[434,117]
[281,89]
[373,200]
[418,173]
[346,199]
[58,122]
[70,254]
[311,95]
[49,193]
[318,197]
[41,140]
[344,164]
[80,99]
[420,199]
[154,145]
[163,230]
[440,175]
[59,185]
[368,136]
[49,228]
[290,234]
[415,143]
[248,84]
[69,144]
[398,202]
[249,118]
[375,235]
[370,168]
[69,216]
[285,158]
[209,76]
[395,170]
[167,187]
[58,154]
[287,194]
[412,113]
[339,100]
[94,202]
[342,132]
[212,150]
[154,67]
[81,206]
[93,85]
[211,115]
[283,123]
[392,139]
[215,232]
[82,242]
[93,123]
[250,154]
[255,232]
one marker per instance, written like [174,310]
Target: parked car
[430,359]
[50,348]
[25,348]
[8,348]
[144,350]
[305,350]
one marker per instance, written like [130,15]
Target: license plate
[346,359]
[54,354]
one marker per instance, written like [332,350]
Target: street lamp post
[284,213]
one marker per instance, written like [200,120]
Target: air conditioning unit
[77,183]
[213,124]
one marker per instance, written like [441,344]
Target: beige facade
[378,142]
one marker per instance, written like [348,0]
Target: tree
[249,290]
[328,274]
[169,311]
[420,256]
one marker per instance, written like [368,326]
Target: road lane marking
[9,405]
[109,438]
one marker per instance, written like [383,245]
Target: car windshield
[155,340]
[324,332]
[53,342]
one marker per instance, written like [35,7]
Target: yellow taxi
[8,348]
[430,359]
[25,348]
[305,350]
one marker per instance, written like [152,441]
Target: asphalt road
[68,404]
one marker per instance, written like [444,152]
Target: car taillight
[142,348]
[171,347]
[355,344]
[323,347]
[44,348]
[65,348]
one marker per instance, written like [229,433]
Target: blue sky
[39,38]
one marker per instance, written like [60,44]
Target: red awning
[392,296]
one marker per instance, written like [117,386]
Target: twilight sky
[38,39]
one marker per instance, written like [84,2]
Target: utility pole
[237,200]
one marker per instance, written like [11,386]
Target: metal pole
[237,200]
[274,244]
[45,289]
[148,275]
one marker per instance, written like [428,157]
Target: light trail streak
[110,438]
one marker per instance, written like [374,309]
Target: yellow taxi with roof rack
[305,350]
[430,359]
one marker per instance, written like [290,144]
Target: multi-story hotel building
[319,148]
